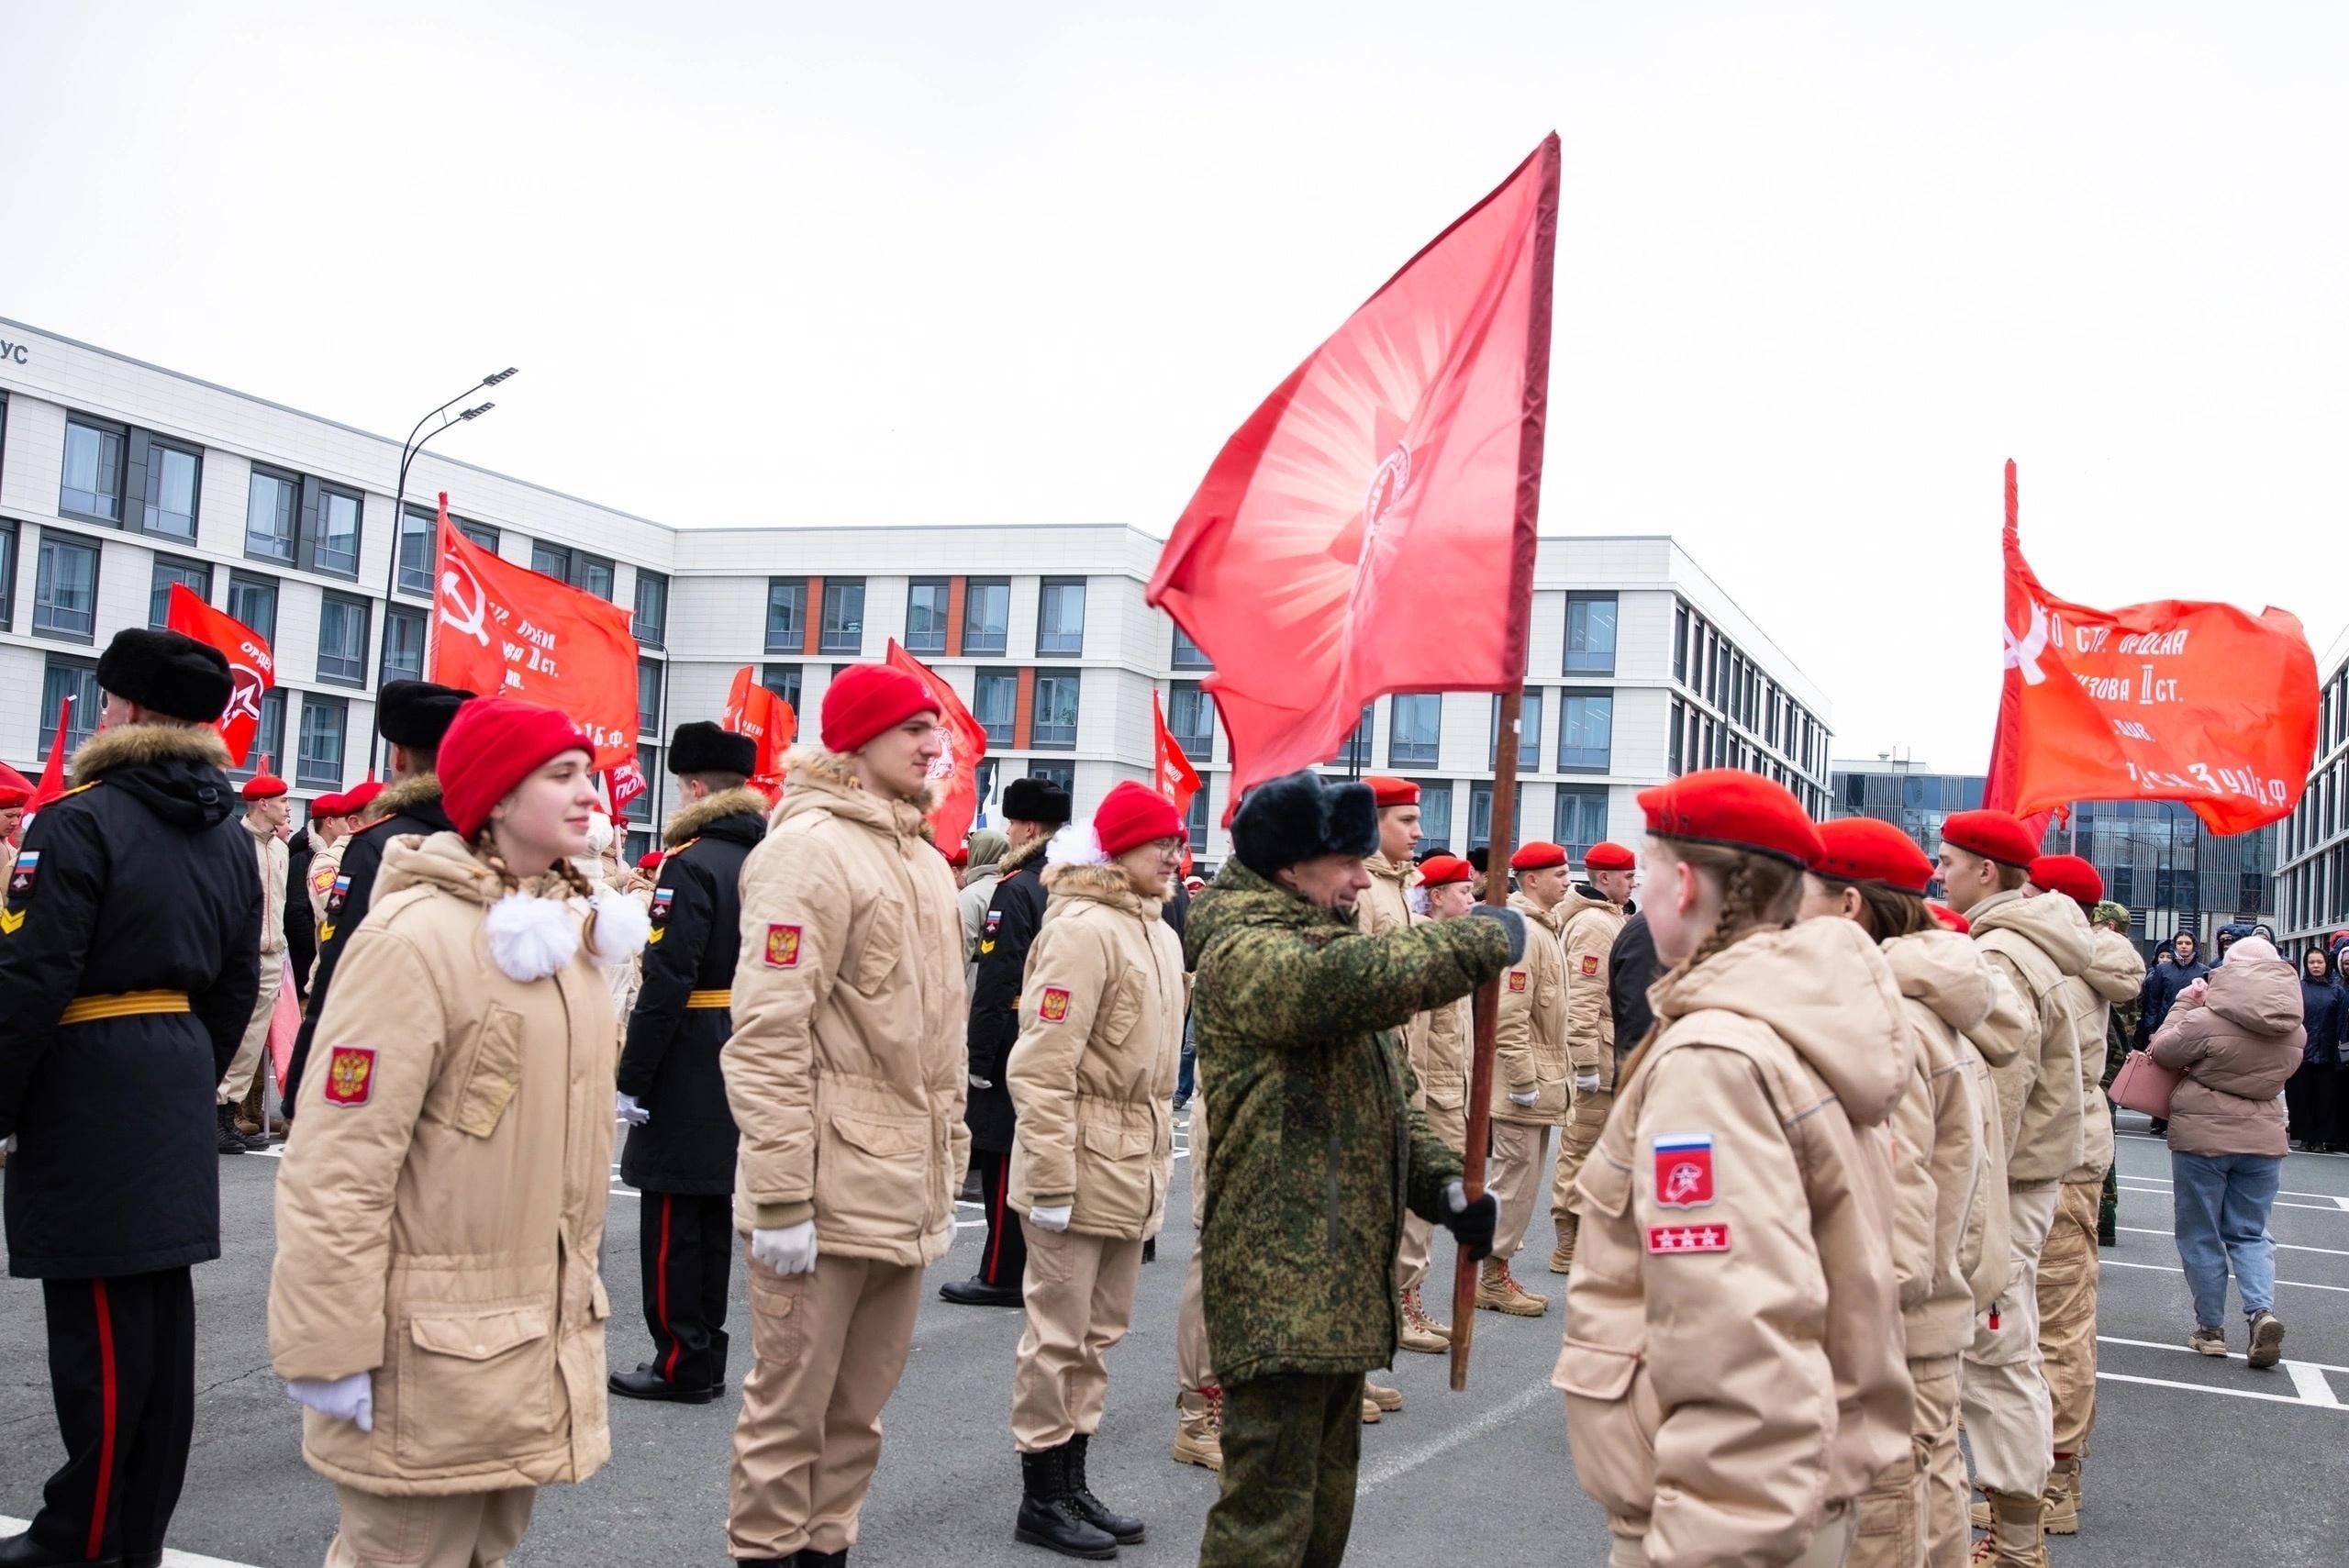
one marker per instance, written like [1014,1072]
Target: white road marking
[2284,1192]
[2283,1246]
[2158,1269]
[2311,1385]
[2330,1205]
[2186,1351]
[170,1559]
[1501,1414]
[2216,1388]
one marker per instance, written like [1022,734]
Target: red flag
[752,710]
[52,777]
[954,776]
[1173,776]
[251,665]
[2176,700]
[627,784]
[500,629]
[1407,451]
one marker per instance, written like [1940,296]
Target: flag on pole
[2179,700]
[1173,776]
[752,710]
[1405,451]
[52,777]
[626,782]
[954,776]
[252,669]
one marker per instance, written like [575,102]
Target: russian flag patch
[1684,1169]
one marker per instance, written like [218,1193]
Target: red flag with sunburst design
[1404,455]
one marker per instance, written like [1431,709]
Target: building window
[61,679]
[1414,727]
[652,626]
[1435,815]
[271,500]
[269,738]
[1060,774]
[551,560]
[1060,617]
[342,640]
[647,696]
[169,570]
[1194,823]
[1190,718]
[1582,819]
[647,766]
[336,553]
[786,615]
[596,575]
[1054,721]
[419,547]
[65,588]
[783,680]
[844,630]
[1680,643]
[926,615]
[1189,655]
[986,616]
[1590,635]
[1585,731]
[7,570]
[319,762]
[404,632]
[1672,738]
[994,699]
[1354,752]
[592,574]
[480,534]
[1480,813]
[1529,729]
[172,479]
[92,485]
[254,600]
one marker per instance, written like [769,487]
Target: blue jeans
[1190,1056]
[2223,1202]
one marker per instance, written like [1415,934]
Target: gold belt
[709,999]
[122,1005]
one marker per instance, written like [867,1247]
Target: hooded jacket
[845,1071]
[2322,1007]
[2038,943]
[1733,1356]
[1530,1036]
[1587,926]
[440,1206]
[987,848]
[2235,1048]
[2163,986]
[2114,976]
[1939,1190]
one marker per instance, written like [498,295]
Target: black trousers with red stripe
[1004,1260]
[687,1242]
[122,1372]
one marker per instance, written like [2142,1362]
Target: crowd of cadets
[1829,1164]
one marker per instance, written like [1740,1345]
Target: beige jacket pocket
[1611,1420]
[869,1171]
[474,1384]
[494,1073]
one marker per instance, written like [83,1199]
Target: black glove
[1511,921]
[1472,1224]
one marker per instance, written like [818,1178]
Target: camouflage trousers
[2068,1295]
[1292,1443]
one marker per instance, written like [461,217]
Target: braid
[575,880]
[1758,894]
[484,849]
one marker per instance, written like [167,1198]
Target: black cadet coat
[414,804]
[138,879]
[301,929]
[670,1064]
[1013,916]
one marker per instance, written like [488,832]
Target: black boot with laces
[1048,1516]
[1124,1528]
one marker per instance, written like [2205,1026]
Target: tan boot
[1371,1414]
[1496,1292]
[1198,1428]
[1421,1332]
[2018,1538]
[1562,1258]
[2062,1498]
[1379,1394]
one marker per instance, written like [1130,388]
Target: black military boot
[824,1558]
[1048,1515]
[24,1551]
[646,1383]
[1124,1527]
[976,1292]
[230,1140]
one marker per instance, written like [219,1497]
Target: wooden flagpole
[1488,1007]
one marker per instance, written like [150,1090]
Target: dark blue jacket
[2162,984]
[2323,1008]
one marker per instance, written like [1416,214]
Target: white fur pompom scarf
[529,936]
[616,927]
[1076,845]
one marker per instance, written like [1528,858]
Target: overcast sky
[1820,271]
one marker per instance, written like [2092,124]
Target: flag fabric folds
[1172,774]
[52,774]
[954,776]
[752,710]
[250,666]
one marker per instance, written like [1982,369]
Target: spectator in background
[986,849]
[2163,987]
[1631,968]
[12,812]
[2312,1094]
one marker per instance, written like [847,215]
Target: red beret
[264,786]
[1861,849]
[1994,835]
[1438,870]
[649,861]
[11,796]
[957,857]
[1735,809]
[1604,856]
[1134,815]
[361,796]
[865,699]
[493,744]
[328,805]
[2069,875]
[1537,856]
[1387,791]
[1950,918]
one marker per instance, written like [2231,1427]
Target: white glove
[790,1250]
[349,1398]
[1587,1082]
[1527,1100]
[1052,1219]
[979,1083]
[629,1111]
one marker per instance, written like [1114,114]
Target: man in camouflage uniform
[2118,1033]
[1318,1153]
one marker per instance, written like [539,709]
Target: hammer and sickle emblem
[2026,651]
[453,581]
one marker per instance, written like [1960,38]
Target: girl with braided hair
[1732,1367]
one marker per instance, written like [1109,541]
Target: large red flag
[954,776]
[52,774]
[251,665]
[752,710]
[501,630]
[2176,700]
[1405,451]
[1173,776]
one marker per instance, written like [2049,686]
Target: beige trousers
[827,1349]
[1915,1514]
[1585,1122]
[2008,1423]
[1412,1261]
[1519,1153]
[2067,1293]
[464,1529]
[247,1061]
[1828,1548]
[1080,1296]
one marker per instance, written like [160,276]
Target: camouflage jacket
[1318,1150]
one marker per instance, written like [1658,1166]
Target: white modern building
[2312,844]
[119,478]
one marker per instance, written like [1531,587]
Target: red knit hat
[1735,809]
[1440,871]
[264,786]
[1994,835]
[493,744]
[1385,791]
[2069,875]
[865,699]
[1950,918]
[1861,849]
[1132,815]
[1537,856]
[1604,856]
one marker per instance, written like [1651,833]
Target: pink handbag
[2143,1084]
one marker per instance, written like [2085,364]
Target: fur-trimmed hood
[122,745]
[814,779]
[690,821]
[404,795]
[176,770]
[1027,853]
[1100,884]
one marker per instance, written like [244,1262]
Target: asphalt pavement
[2194,1460]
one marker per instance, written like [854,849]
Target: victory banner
[752,710]
[251,667]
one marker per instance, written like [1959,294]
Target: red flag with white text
[252,669]
[754,710]
[2179,700]
[627,782]
[954,776]
[502,629]
[1405,452]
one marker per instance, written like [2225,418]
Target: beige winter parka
[1530,1040]
[1733,1356]
[2116,973]
[271,860]
[2236,1047]
[1385,905]
[1937,1172]
[1442,1068]
[1587,926]
[441,1202]
[846,1070]
[1100,1041]
[2038,943]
